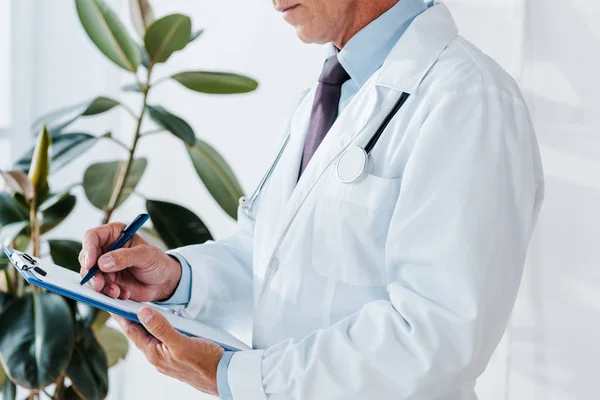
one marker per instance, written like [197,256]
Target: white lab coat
[398,286]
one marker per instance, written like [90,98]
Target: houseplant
[51,344]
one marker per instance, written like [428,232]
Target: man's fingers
[125,294]
[95,240]
[112,290]
[137,256]
[97,282]
[136,332]
[158,326]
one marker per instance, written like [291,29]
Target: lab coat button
[242,201]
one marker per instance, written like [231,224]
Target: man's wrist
[176,269]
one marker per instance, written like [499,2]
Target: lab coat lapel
[285,176]
[414,54]
[298,131]
[368,107]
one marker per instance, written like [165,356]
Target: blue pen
[129,231]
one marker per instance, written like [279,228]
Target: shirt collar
[367,50]
[418,49]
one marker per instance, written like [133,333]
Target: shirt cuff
[244,375]
[222,382]
[183,293]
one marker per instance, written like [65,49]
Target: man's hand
[137,271]
[193,361]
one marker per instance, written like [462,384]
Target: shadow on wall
[555,335]
[560,79]
[556,325]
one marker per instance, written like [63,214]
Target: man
[395,285]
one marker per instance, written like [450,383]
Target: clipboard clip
[31,264]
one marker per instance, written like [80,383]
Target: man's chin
[309,37]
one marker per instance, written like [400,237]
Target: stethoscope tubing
[247,204]
[384,124]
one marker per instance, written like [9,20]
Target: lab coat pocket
[351,227]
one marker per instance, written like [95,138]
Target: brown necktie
[325,107]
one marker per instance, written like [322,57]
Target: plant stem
[20,286]
[161,80]
[35,227]
[124,173]
[9,285]
[117,141]
[154,132]
[59,390]
[129,111]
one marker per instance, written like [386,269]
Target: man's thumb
[157,325]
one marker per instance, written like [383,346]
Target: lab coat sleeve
[455,251]
[221,279]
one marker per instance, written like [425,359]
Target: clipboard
[65,282]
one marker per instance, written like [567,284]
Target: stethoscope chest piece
[352,164]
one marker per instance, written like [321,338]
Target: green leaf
[151,236]
[60,119]
[166,36]
[113,342]
[196,35]
[11,210]
[100,180]
[66,253]
[216,82]
[176,225]
[2,373]
[71,394]
[40,163]
[5,301]
[56,210]
[217,176]
[36,339]
[100,319]
[88,369]
[99,105]
[18,182]
[172,123]
[65,148]
[12,233]
[9,390]
[145,57]
[131,87]
[84,317]
[17,232]
[108,33]
[142,15]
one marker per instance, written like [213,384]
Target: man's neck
[365,12]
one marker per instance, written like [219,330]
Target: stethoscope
[351,165]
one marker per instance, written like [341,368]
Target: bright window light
[5,64]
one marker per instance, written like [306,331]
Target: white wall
[5,47]
[550,46]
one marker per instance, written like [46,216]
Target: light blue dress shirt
[361,57]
